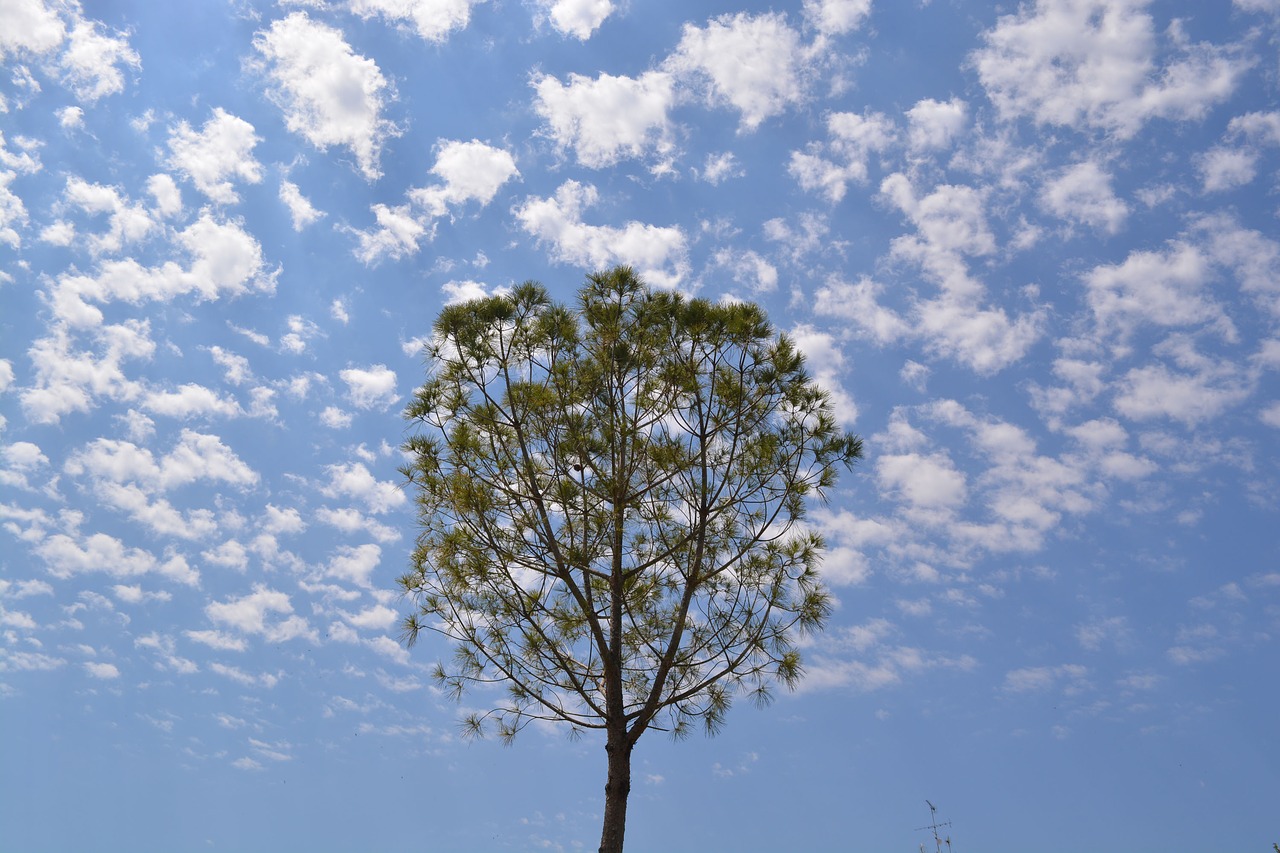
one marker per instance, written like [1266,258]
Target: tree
[610,501]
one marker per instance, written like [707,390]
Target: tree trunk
[616,788]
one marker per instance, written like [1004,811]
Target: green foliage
[610,500]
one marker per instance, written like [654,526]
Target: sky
[1030,249]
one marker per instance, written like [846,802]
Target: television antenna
[934,826]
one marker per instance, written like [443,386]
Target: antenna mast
[934,826]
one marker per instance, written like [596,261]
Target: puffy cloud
[951,226]
[65,556]
[1091,63]
[354,480]
[1193,389]
[753,63]
[355,564]
[578,18]
[433,20]
[254,614]
[190,400]
[29,26]
[852,139]
[659,254]
[609,118]
[103,671]
[300,208]
[1223,168]
[329,94]
[1165,288]
[749,268]
[1082,193]
[220,151]
[90,64]
[195,457]
[371,388]
[469,171]
[836,17]
[935,124]
[824,357]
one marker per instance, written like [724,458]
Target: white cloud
[659,254]
[29,26]
[355,564]
[1082,193]
[190,400]
[329,94]
[218,640]
[931,483]
[433,20]
[755,64]
[935,124]
[1223,168]
[334,418]
[1091,63]
[355,481]
[609,118]
[836,17]
[824,358]
[578,18]
[253,614]
[195,457]
[1165,288]
[220,151]
[719,167]
[951,226]
[371,388]
[103,671]
[1195,389]
[469,171]
[300,208]
[852,139]
[858,304]
[1070,678]
[90,63]
[749,268]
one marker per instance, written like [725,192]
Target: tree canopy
[611,502]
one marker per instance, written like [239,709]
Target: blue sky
[1031,250]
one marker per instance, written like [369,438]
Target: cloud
[1082,193]
[221,150]
[609,118]
[577,18]
[196,456]
[355,564]
[469,171]
[1222,168]
[102,671]
[300,209]
[659,254]
[66,555]
[329,94]
[935,124]
[1069,678]
[355,481]
[753,63]
[371,388]
[852,139]
[252,614]
[836,17]
[433,20]
[1092,64]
